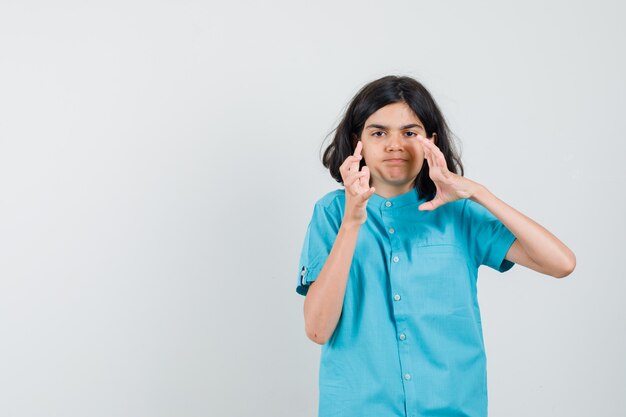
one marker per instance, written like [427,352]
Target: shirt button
[402,336]
[388,204]
[407,376]
[392,230]
[396,297]
[396,259]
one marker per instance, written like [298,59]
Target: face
[391,150]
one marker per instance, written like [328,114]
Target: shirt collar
[406,199]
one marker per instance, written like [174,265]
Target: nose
[394,142]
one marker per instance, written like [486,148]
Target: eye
[411,134]
[377,134]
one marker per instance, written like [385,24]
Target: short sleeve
[488,239]
[318,241]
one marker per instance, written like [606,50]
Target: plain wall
[159,162]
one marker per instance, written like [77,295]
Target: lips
[395,160]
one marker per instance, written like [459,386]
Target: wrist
[479,193]
[350,225]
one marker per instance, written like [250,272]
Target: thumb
[428,206]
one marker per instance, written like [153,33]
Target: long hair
[379,93]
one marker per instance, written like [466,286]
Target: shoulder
[462,211]
[332,200]
[328,210]
[471,208]
[330,207]
[476,216]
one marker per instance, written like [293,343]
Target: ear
[435,139]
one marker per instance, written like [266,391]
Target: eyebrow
[375,126]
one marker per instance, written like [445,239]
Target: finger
[354,167]
[430,205]
[427,206]
[426,143]
[359,147]
[422,142]
[437,155]
[366,195]
[441,161]
[344,168]
[353,178]
[365,179]
[349,160]
[432,153]
[429,157]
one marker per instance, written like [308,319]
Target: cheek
[419,160]
[421,153]
[417,152]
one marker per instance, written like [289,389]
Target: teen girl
[389,264]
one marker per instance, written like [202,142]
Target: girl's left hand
[450,186]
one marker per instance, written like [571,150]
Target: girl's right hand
[358,190]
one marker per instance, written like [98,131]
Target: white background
[159,162]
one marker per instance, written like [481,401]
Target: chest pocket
[440,280]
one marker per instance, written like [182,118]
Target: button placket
[396,284]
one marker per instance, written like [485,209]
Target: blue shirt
[409,339]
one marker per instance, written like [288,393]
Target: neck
[387,191]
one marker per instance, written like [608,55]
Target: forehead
[394,114]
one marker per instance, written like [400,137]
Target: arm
[535,247]
[324,300]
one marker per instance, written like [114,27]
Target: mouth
[395,160]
